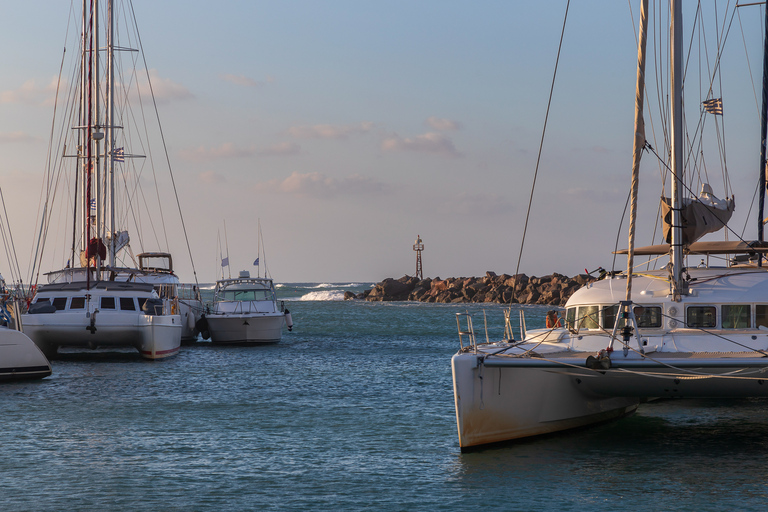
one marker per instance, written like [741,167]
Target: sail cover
[700,215]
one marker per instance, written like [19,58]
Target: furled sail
[700,215]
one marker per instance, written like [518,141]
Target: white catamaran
[96,301]
[676,332]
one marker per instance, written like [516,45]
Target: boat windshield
[247,294]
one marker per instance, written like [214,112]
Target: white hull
[246,328]
[20,358]
[495,404]
[154,336]
[189,312]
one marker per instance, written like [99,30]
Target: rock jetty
[553,289]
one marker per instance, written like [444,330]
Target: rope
[541,143]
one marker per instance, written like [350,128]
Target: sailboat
[94,302]
[682,331]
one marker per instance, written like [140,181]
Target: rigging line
[10,235]
[618,234]
[541,143]
[39,246]
[167,157]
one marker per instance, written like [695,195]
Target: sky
[348,128]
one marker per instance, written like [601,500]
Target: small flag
[225,262]
[93,205]
[118,155]
[714,106]
[256,263]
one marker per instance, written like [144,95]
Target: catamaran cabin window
[761,315]
[736,316]
[570,318]
[589,317]
[42,301]
[77,303]
[107,303]
[701,316]
[127,304]
[648,316]
[60,303]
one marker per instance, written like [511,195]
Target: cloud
[246,81]
[428,143]
[282,149]
[31,94]
[225,150]
[318,185]
[11,137]
[328,131]
[212,177]
[442,125]
[164,89]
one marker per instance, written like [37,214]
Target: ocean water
[353,410]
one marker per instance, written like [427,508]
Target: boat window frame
[132,300]
[105,297]
[76,300]
[56,302]
[757,323]
[592,316]
[723,315]
[692,307]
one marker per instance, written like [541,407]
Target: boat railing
[466,330]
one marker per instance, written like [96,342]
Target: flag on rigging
[225,262]
[118,155]
[256,263]
[93,205]
[714,106]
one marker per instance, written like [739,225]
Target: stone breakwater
[553,289]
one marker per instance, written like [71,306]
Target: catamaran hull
[154,336]
[495,404]
[245,329]
[20,359]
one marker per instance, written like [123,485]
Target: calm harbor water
[353,410]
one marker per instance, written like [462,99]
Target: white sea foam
[324,295]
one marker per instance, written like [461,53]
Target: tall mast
[676,109]
[637,152]
[763,134]
[110,146]
[82,136]
[98,134]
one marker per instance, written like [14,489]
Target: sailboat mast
[82,135]
[110,146]
[676,109]
[763,135]
[637,152]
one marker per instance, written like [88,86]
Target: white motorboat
[245,311]
[98,300]
[676,332]
[20,358]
